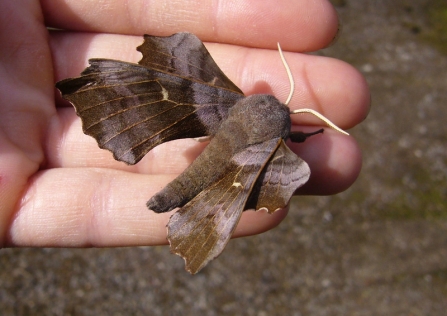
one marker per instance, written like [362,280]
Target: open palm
[58,189]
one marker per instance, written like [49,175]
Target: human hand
[57,188]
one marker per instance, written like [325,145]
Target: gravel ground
[379,248]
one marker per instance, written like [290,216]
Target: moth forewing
[131,108]
[199,231]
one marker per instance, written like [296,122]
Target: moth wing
[185,55]
[284,174]
[199,231]
[129,109]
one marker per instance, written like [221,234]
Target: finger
[335,161]
[329,86]
[75,149]
[298,25]
[99,207]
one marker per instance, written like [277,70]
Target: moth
[177,91]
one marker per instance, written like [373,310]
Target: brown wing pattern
[130,109]
[185,55]
[200,230]
[283,175]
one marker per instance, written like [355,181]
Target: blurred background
[380,248]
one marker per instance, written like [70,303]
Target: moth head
[305,110]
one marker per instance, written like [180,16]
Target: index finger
[304,25]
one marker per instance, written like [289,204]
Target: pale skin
[58,189]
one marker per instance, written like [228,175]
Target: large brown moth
[178,91]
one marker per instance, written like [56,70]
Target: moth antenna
[202,139]
[289,74]
[321,117]
[292,88]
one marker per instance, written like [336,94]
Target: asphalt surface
[380,248]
